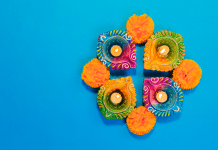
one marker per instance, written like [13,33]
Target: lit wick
[116,51]
[116,98]
[161,96]
[163,50]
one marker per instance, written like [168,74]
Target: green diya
[164,51]
[117,98]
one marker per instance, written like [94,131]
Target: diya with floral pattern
[117,98]
[117,50]
[162,96]
[164,51]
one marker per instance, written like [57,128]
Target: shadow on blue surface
[109,122]
[168,119]
[128,72]
[187,92]
[140,45]
[140,136]
[151,73]
[93,90]
[114,122]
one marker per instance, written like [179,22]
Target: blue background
[45,105]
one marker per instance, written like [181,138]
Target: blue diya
[116,50]
[162,96]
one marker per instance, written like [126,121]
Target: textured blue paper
[44,105]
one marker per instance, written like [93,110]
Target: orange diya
[164,51]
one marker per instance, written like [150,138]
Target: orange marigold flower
[187,74]
[140,28]
[95,73]
[140,121]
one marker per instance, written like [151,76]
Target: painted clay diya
[164,51]
[162,96]
[117,98]
[117,50]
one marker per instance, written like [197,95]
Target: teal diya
[116,50]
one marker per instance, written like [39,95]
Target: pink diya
[162,96]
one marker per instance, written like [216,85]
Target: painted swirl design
[174,102]
[152,60]
[126,60]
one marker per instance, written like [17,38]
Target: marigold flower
[95,73]
[140,121]
[187,74]
[140,28]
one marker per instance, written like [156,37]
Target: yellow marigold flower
[140,28]
[187,74]
[95,73]
[140,121]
